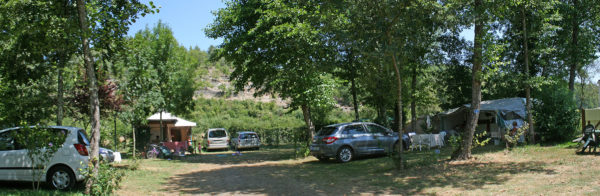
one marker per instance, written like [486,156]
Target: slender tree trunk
[413,101]
[133,133]
[574,37]
[464,152]
[161,127]
[60,92]
[381,114]
[353,84]
[115,131]
[598,93]
[397,67]
[309,124]
[397,118]
[527,74]
[93,90]
[63,59]
[354,99]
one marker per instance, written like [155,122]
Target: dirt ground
[264,172]
[523,171]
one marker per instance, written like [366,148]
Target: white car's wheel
[61,178]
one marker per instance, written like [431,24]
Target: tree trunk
[397,157]
[381,114]
[598,93]
[413,101]
[527,85]
[464,152]
[574,37]
[354,99]
[93,90]
[133,133]
[310,131]
[397,118]
[581,98]
[60,92]
[161,127]
[115,130]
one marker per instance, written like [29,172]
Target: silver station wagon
[245,140]
[346,141]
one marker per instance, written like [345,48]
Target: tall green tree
[276,47]
[528,26]
[577,38]
[38,38]
[102,22]
[478,11]
[93,90]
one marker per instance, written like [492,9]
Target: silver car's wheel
[61,178]
[345,154]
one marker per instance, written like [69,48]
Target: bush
[555,113]
[107,180]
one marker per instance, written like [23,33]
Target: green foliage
[158,74]
[17,100]
[512,138]
[106,181]
[41,143]
[555,113]
[587,95]
[274,124]
[479,140]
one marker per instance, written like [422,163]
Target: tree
[276,47]
[464,152]
[577,38]
[37,39]
[109,22]
[93,90]
[138,83]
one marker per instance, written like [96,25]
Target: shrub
[107,180]
[555,114]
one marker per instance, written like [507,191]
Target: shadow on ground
[361,176]
[246,156]
[26,188]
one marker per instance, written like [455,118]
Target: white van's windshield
[217,133]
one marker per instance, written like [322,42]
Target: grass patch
[525,170]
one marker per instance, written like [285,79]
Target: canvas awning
[504,110]
[505,106]
[592,115]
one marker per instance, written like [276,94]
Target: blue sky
[186,18]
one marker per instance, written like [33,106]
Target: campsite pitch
[522,171]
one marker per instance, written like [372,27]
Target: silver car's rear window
[326,131]
[217,133]
[82,137]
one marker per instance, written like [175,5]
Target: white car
[63,170]
[107,155]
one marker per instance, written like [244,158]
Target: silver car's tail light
[81,149]
[329,140]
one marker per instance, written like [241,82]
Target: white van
[62,171]
[216,138]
